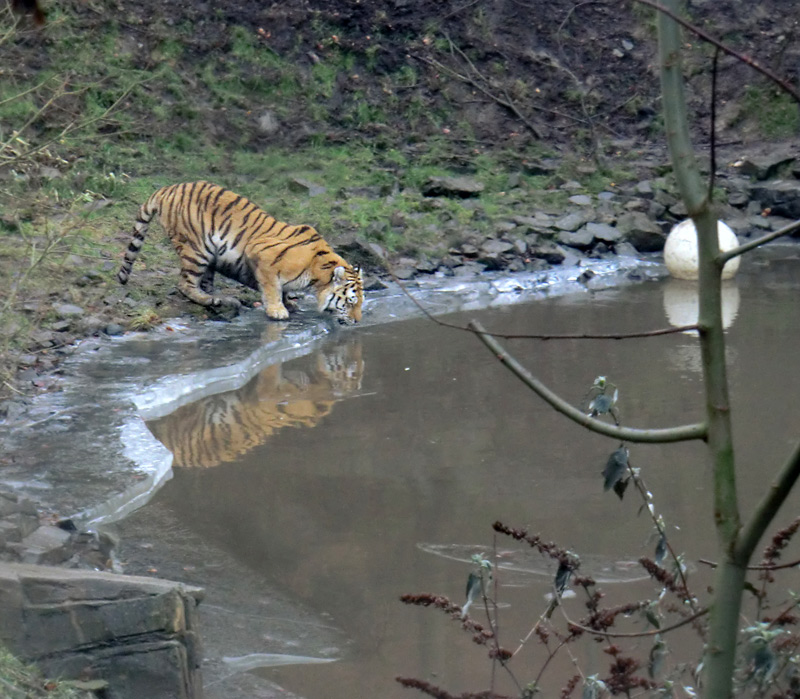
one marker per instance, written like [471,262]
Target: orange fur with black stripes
[215,230]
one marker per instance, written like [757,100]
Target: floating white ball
[680,250]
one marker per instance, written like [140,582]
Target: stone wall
[137,634]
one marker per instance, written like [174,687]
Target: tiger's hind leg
[207,281]
[196,282]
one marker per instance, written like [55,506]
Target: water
[308,500]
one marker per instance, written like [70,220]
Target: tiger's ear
[358,269]
[339,273]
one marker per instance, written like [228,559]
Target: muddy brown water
[329,486]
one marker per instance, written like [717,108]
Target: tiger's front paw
[278,313]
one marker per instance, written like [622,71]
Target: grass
[20,681]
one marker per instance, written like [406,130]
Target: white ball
[680,250]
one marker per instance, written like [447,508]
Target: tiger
[215,230]
[223,428]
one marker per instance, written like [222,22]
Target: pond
[308,500]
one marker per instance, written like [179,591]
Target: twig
[723,257]
[639,634]
[768,566]
[658,436]
[722,47]
[465,78]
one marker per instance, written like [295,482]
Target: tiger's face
[347,295]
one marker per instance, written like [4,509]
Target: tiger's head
[345,294]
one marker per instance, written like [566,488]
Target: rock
[570,222]
[458,187]
[404,272]
[469,250]
[581,239]
[581,199]
[782,197]
[67,310]
[626,249]
[138,634]
[644,189]
[468,269]
[451,261]
[604,232]
[764,167]
[372,283]
[47,545]
[679,210]
[497,247]
[656,210]
[114,329]
[738,199]
[304,186]
[268,123]
[426,266]
[492,261]
[549,252]
[504,226]
[358,251]
[539,167]
[638,230]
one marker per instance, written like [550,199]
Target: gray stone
[138,634]
[764,167]
[549,252]
[679,210]
[626,249]
[404,272]
[468,269]
[581,199]
[469,250]
[360,252]
[782,197]
[492,261]
[268,123]
[539,167]
[638,230]
[114,329]
[581,239]
[604,232]
[426,266]
[738,199]
[644,189]
[459,187]
[656,210]
[496,247]
[571,222]
[504,226]
[47,545]
[66,310]
[304,186]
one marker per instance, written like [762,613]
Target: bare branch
[723,257]
[765,511]
[653,436]
[723,47]
[640,634]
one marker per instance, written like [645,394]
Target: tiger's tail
[146,212]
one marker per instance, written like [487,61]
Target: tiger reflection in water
[221,428]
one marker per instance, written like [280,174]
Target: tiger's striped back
[215,230]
